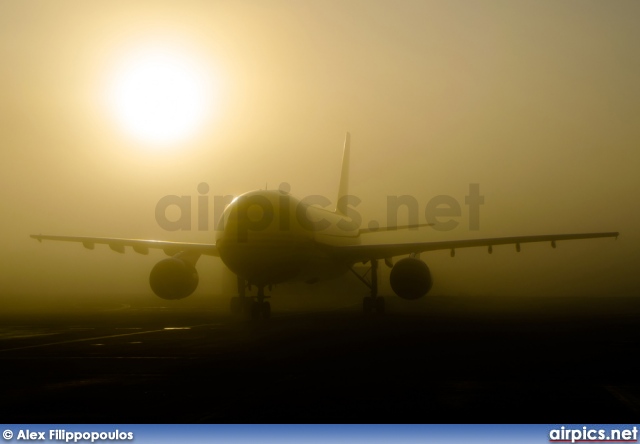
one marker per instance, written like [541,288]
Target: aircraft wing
[363,253]
[141,246]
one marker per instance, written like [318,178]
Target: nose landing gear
[247,305]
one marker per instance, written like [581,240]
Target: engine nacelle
[173,278]
[410,278]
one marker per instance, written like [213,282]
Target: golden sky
[536,101]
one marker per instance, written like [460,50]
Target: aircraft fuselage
[268,237]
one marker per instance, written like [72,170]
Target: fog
[537,102]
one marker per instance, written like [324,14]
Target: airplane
[268,237]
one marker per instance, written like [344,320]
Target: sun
[161,96]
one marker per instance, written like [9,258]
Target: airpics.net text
[441,212]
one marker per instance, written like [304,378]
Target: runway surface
[454,360]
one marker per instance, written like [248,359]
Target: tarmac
[453,360]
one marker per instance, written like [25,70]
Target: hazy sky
[536,101]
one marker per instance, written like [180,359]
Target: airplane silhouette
[267,237]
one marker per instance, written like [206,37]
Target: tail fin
[343,190]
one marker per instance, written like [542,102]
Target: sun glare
[160,96]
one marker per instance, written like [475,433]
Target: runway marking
[17,335]
[70,341]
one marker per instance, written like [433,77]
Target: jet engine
[173,278]
[410,278]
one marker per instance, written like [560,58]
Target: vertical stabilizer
[343,190]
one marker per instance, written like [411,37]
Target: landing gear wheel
[266,310]
[259,309]
[371,304]
[379,305]
[367,304]
[255,309]
[236,305]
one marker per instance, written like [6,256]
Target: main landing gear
[373,303]
[247,305]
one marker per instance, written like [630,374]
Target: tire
[255,309]
[367,304]
[379,303]
[235,305]
[266,310]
